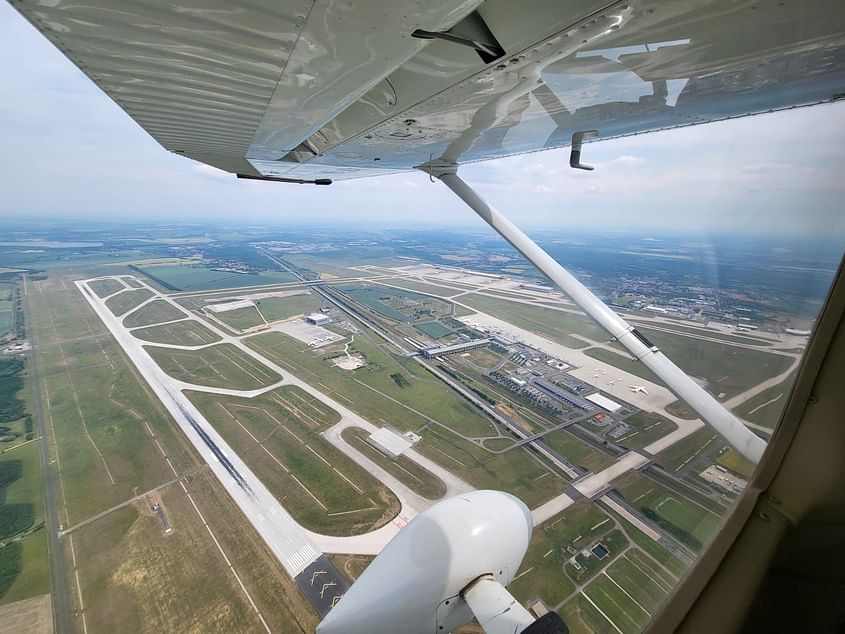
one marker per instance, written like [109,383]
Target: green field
[616,605]
[425,287]
[683,519]
[24,571]
[733,461]
[589,565]
[278,436]
[6,320]
[156,312]
[240,319]
[97,409]
[704,332]
[766,407]
[694,450]
[728,369]
[124,302]
[278,308]
[195,277]
[656,553]
[648,427]
[577,451]
[541,574]
[388,301]
[222,365]
[554,324]
[484,358]
[411,474]
[105,287]
[434,329]
[133,576]
[369,390]
[513,471]
[184,333]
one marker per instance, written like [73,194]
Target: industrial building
[430,353]
[390,443]
[562,395]
[318,319]
[604,402]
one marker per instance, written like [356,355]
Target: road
[58,570]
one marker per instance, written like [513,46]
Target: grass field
[514,471]
[277,308]
[120,304]
[704,332]
[616,605]
[222,365]
[766,407]
[653,551]
[434,329]
[6,320]
[385,301]
[425,287]
[105,287]
[277,435]
[241,319]
[732,461]
[614,542]
[369,390]
[24,571]
[553,324]
[728,370]
[577,451]
[693,451]
[541,574]
[680,517]
[483,358]
[195,277]
[407,471]
[155,312]
[99,413]
[648,427]
[184,333]
[134,577]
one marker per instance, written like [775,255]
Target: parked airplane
[639,388]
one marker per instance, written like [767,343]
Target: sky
[67,151]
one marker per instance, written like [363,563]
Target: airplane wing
[340,89]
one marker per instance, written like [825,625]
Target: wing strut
[711,411]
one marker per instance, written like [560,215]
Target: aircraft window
[723,267]
[219,397]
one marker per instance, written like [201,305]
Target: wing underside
[329,89]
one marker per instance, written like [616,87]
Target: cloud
[68,150]
[627,160]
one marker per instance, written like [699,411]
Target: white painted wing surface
[340,89]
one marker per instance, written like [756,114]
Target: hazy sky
[67,150]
